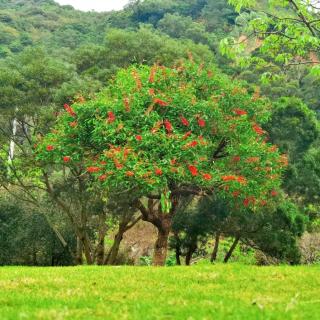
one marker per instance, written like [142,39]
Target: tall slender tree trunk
[178,249]
[101,235]
[114,250]
[12,143]
[229,253]
[79,259]
[215,248]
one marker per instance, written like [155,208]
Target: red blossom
[192,144]
[126,103]
[258,129]
[66,159]
[236,194]
[111,117]
[273,149]
[93,169]
[207,176]
[103,177]
[188,134]
[274,193]
[241,179]
[152,74]
[138,137]
[193,170]
[69,110]
[184,121]
[247,201]
[253,159]
[73,124]
[151,92]
[201,122]
[263,203]
[236,159]
[160,102]
[240,112]
[228,178]
[158,172]
[173,162]
[50,147]
[137,79]
[118,164]
[129,174]
[168,125]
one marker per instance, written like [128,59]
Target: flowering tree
[162,134]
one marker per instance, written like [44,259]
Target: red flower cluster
[236,159]
[184,121]
[103,177]
[192,144]
[73,124]
[201,122]
[188,134]
[236,194]
[66,159]
[240,112]
[253,159]
[160,102]
[240,179]
[193,170]
[274,193]
[207,176]
[151,92]
[93,169]
[50,147]
[229,178]
[247,201]
[69,110]
[152,74]
[111,117]
[158,172]
[168,126]
[273,148]
[129,174]
[258,129]
[137,79]
[138,137]
[126,103]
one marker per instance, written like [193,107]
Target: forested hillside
[53,211]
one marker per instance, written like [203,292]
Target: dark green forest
[52,56]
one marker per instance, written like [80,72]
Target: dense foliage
[163,134]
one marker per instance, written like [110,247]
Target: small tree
[163,134]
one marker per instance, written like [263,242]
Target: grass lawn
[199,292]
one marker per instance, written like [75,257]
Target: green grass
[200,292]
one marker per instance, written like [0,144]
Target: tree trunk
[86,247]
[178,250]
[79,259]
[161,248]
[215,248]
[229,253]
[162,221]
[100,246]
[114,250]
[192,248]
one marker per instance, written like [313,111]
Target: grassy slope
[200,292]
